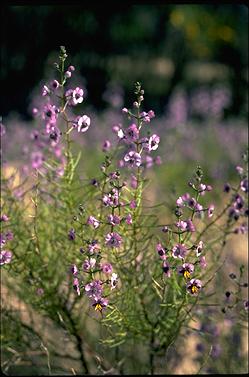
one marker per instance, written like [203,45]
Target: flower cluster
[138,147]
[54,110]
[96,278]
[239,201]
[5,255]
[100,280]
[185,257]
[117,209]
[109,241]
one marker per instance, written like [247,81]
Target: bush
[126,284]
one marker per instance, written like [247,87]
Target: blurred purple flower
[5,257]
[179,251]
[94,289]
[113,239]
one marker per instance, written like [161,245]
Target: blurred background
[192,61]
[163,46]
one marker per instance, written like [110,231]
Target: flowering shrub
[79,247]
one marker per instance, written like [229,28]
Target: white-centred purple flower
[82,123]
[132,159]
[113,239]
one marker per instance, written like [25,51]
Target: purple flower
[68,96]
[114,175]
[244,185]
[100,303]
[194,286]
[76,285]
[106,146]
[106,268]
[227,187]
[94,182]
[82,123]
[93,247]
[185,197]
[74,269]
[234,213]
[210,210]
[71,234]
[54,84]
[202,188]
[161,251]
[37,159]
[121,163]
[149,161]
[128,219]
[92,221]
[192,202]
[71,68]
[190,226]
[54,134]
[246,305]
[166,269]
[40,291]
[182,225]
[179,251]
[111,199]
[151,114]
[77,96]
[242,229]
[240,170]
[74,96]
[9,235]
[5,257]
[132,159]
[132,133]
[199,248]
[94,289]
[50,113]
[113,220]
[2,129]
[2,240]
[68,74]
[45,91]
[35,111]
[182,200]
[158,160]
[114,280]
[113,239]
[239,202]
[133,204]
[88,264]
[186,270]
[4,218]
[120,133]
[203,262]
[165,229]
[198,209]
[153,142]
[146,117]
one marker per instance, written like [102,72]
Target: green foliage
[153,303]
